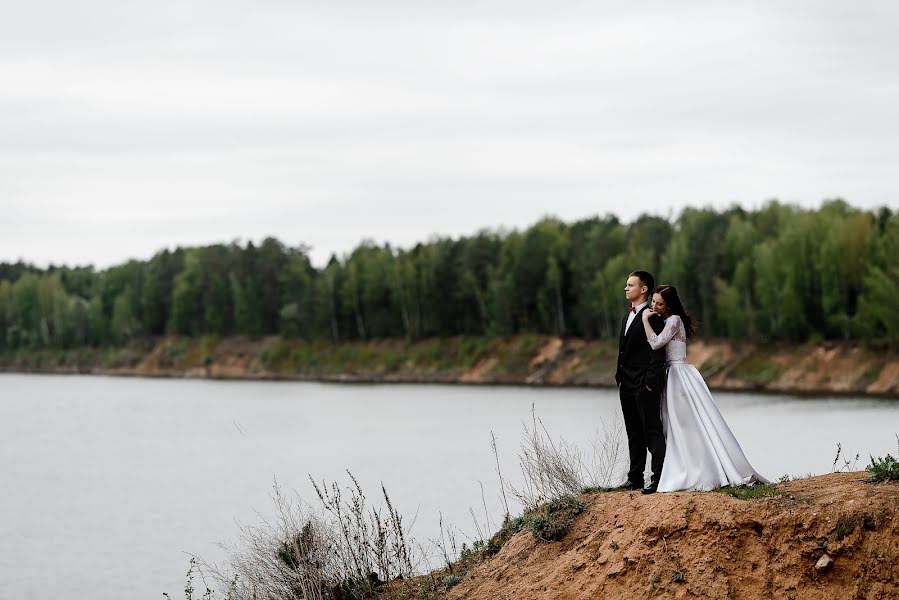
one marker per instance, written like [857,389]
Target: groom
[640,376]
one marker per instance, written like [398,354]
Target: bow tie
[631,309]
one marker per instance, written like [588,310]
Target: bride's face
[660,306]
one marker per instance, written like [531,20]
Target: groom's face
[634,288]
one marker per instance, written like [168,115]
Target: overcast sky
[128,127]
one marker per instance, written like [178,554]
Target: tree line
[778,273]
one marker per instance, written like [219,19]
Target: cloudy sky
[127,127]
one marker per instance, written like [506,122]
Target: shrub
[552,521]
[510,527]
[345,551]
[884,468]
[557,468]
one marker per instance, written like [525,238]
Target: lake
[108,483]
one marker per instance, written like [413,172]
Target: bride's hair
[669,295]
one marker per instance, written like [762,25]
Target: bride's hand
[647,314]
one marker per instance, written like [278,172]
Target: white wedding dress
[701,451]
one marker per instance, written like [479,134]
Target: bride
[702,452]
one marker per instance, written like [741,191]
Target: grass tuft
[752,492]
[595,489]
[551,521]
[884,468]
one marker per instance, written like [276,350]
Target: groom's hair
[646,279]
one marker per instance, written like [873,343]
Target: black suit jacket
[638,364]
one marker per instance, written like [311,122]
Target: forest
[779,273]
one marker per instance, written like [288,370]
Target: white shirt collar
[631,317]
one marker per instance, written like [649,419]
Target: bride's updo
[669,295]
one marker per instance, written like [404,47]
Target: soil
[628,546]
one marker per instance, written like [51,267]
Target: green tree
[247,312]
[7,319]
[778,273]
[187,318]
[878,311]
[298,292]
[26,312]
[694,260]
[157,294]
[844,254]
[124,324]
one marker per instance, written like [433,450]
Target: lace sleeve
[672,324]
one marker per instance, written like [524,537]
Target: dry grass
[346,549]
[552,469]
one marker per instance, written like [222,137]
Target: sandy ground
[709,545]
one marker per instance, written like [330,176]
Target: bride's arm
[656,341]
[655,374]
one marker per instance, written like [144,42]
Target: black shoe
[650,489]
[628,486]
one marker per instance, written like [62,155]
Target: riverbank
[823,368]
[827,537]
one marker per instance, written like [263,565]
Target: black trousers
[642,411]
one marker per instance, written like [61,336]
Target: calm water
[108,482]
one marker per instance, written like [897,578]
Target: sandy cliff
[825,368]
[829,537]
